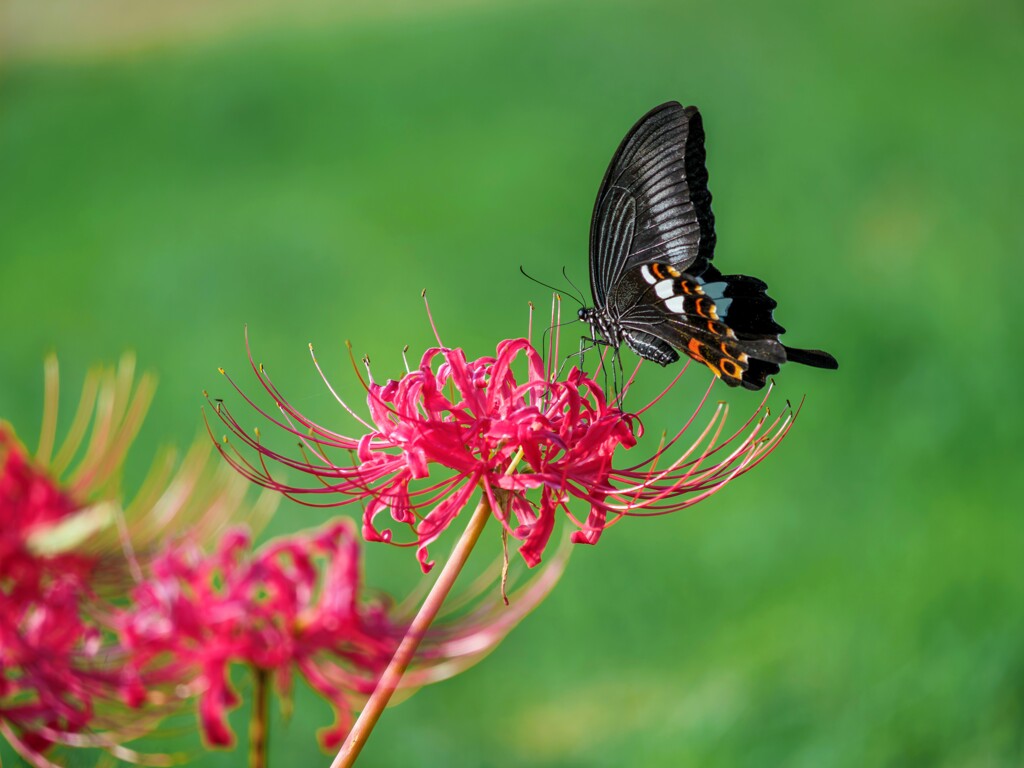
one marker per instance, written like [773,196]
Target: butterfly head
[586,314]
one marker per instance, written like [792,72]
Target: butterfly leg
[586,343]
[619,378]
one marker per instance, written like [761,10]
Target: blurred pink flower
[293,605]
[30,506]
[273,610]
[63,535]
[532,441]
[47,686]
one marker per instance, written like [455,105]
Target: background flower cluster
[116,614]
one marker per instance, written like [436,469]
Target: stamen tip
[423,293]
[222,373]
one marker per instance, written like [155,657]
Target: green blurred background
[170,172]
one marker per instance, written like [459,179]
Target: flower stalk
[259,723]
[392,676]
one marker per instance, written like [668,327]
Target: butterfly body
[652,239]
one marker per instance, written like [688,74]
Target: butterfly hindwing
[725,323]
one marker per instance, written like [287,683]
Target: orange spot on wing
[656,271]
[730,369]
[690,289]
[695,350]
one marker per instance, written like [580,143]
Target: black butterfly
[652,238]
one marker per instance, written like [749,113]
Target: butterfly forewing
[653,204]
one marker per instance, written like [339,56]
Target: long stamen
[331,389]
[51,401]
[430,317]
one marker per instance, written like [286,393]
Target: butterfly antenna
[528,276]
[583,298]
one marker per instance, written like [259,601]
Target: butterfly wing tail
[757,370]
[816,358]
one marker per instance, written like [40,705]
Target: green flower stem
[259,723]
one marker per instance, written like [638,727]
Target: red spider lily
[46,685]
[61,683]
[94,520]
[63,534]
[31,505]
[293,605]
[273,610]
[531,440]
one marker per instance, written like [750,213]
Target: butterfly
[652,238]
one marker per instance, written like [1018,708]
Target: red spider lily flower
[43,640]
[293,605]
[94,520]
[274,610]
[58,682]
[63,535]
[533,442]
